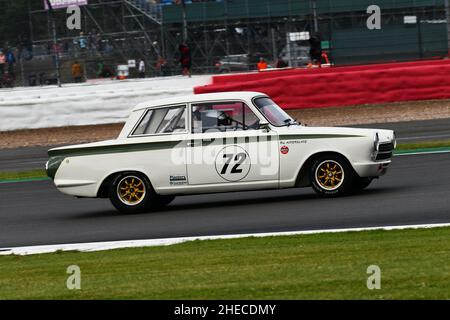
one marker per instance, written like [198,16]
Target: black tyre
[360,184]
[331,175]
[132,193]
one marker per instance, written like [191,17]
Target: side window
[250,119]
[163,120]
[222,117]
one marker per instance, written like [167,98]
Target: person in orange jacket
[262,64]
[77,72]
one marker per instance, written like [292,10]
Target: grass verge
[423,145]
[414,265]
[23,175]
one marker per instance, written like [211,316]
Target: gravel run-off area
[332,116]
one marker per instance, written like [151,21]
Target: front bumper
[383,150]
[372,169]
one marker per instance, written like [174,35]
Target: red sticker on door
[284,150]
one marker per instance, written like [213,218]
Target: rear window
[163,120]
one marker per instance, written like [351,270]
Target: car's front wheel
[132,193]
[331,175]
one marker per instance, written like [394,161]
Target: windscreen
[273,112]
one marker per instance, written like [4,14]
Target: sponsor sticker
[176,180]
[284,149]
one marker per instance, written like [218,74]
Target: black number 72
[238,159]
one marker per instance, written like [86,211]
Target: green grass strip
[24,180]
[414,265]
[30,175]
[423,145]
[423,150]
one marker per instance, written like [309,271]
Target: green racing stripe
[116,148]
[316,136]
[56,157]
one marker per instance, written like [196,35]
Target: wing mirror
[264,126]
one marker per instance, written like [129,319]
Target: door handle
[208,140]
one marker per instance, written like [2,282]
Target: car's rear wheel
[331,175]
[132,193]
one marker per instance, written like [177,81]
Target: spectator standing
[57,49]
[161,66]
[107,72]
[100,43]
[141,69]
[25,49]
[32,79]
[262,64]
[76,46]
[281,63]
[65,46]
[325,58]
[185,59]
[100,69]
[82,42]
[42,78]
[108,47]
[11,60]
[2,63]
[315,50]
[77,72]
[7,81]
[94,41]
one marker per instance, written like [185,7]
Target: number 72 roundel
[233,163]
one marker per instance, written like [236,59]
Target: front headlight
[376,145]
[376,141]
[394,140]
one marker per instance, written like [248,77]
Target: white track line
[419,153]
[424,137]
[99,246]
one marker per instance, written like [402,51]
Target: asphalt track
[416,131]
[22,159]
[416,190]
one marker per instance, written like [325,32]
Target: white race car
[218,142]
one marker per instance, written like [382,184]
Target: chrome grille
[385,151]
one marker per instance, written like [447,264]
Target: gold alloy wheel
[131,190]
[330,175]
